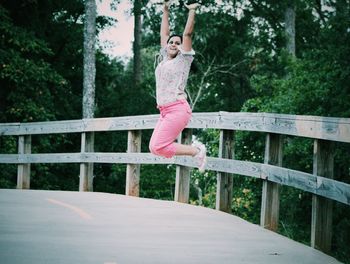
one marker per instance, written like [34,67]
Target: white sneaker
[201,156]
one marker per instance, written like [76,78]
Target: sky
[117,40]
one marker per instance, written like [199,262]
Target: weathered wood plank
[224,180]
[9,159]
[335,190]
[23,170]
[41,158]
[82,125]
[9,129]
[86,169]
[328,128]
[322,208]
[52,127]
[121,123]
[332,189]
[296,179]
[337,129]
[119,158]
[182,182]
[245,168]
[125,158]
[270,201]
[132,187]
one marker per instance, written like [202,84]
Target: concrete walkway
[52,227]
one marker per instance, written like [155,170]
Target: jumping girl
[171,78]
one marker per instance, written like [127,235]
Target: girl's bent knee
[166,152]
[152,149]
[156,150]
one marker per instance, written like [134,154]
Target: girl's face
[173,46]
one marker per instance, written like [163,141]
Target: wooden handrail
[324,130]
[327,128]
[329,188]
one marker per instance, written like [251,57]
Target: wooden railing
[324,130]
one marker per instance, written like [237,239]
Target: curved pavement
[52,227]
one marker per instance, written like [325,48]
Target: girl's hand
[192,6]
[168,3]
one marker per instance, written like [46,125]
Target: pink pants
[174,117]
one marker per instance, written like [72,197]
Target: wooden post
[86,169]
[133,170]
[321,222]
[270,201]
[224,180]
[89,75]
[23,170]
[182,184]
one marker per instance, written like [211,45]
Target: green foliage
[295,214]
[341,224]
[203,185]
[30,77]
[157,182]
[109,178]
[8,177]
[309,88]
[246,199]
[241,65]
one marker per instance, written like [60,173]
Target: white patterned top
[172,75]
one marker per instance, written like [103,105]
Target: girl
[171,78]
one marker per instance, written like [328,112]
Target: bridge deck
[72,227]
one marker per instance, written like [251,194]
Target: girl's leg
[167,130]
[172,121]
[153,143]
[185,149]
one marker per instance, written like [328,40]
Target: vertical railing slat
[270,201]
[87,169]
[23,170]
[224,180]
[182,184]
[322,208]
[133,170]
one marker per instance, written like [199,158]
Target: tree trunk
[137,43]
[289,20]
[87,143]
[89,59]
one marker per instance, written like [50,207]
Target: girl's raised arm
[164,27]
[187,35]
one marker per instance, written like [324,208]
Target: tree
[137,45]
[86,170]
[26,78]
[290,27]
[89,59]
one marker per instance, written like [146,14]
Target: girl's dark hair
[174,35]
[194,67]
